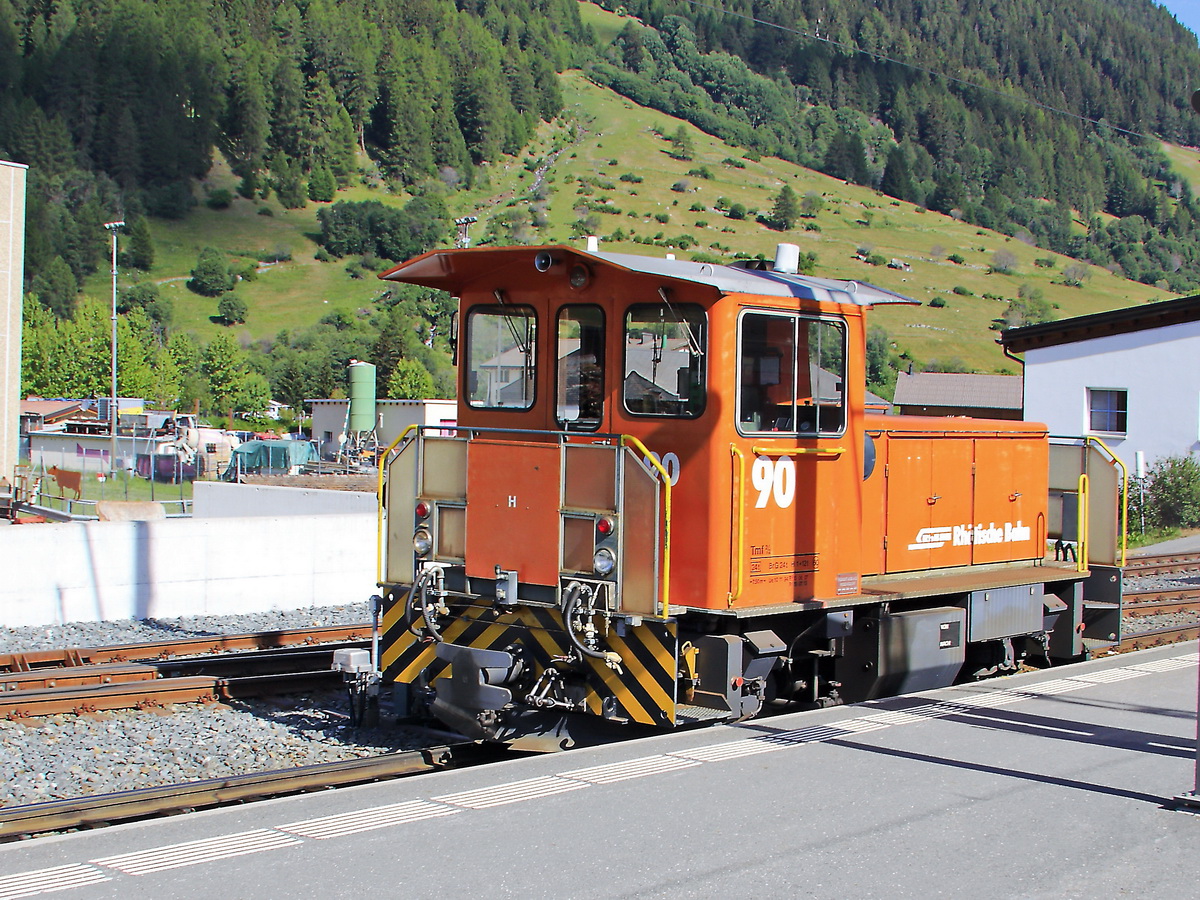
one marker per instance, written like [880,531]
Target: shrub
[956,258]
[232,309]
[937,302]
[962,291]
[1172,493]
[211,276]
[631,178]
[736,211]
[662,218]
[735,163]
[219,199]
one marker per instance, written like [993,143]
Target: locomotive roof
[452,270]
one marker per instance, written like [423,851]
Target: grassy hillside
[602,136]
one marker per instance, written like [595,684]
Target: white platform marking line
[860,726]
[633,768]
[513,792]
[1046,688]
[1108,675]
[368,819]
[731,750]
[811,735]
[192,853]
[1000,698]
[1165,665]
[47,881]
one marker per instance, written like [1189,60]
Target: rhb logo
[965,535]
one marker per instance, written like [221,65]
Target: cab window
[501,357]
[791,374]
[579,404]
[664,360]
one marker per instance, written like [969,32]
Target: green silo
[362,397]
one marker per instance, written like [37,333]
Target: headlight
[603,562]
[422,542]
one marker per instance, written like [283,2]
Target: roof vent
[787,258]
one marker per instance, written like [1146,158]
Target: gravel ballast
[67,756]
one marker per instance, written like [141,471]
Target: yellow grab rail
[1083,515]
[736,564]
[1124,492]
[654,461]
[379,503]
[798,451]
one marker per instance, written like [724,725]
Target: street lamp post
[113,227]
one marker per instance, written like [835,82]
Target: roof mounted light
[543,261]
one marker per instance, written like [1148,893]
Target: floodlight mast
[463,239]
[113,228]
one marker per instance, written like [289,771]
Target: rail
[736,563]
[38,818]
[798,451]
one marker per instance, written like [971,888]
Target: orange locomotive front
[664,502]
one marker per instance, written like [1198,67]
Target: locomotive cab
[664,503]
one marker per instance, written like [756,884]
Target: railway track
[1163,564]
[187,670]
[17,822]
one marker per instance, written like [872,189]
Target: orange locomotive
[665,502]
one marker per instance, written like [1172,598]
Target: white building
[12,267]
[1130,377]
[329,418]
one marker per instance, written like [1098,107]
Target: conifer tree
[786,210]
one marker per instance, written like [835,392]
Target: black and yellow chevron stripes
[643,691]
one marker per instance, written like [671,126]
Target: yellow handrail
[653,460]
[737,564]
[1124,492]
[1084,517]
[379,503]
[798,451]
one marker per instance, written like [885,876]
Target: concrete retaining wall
[93,571]
[211,499]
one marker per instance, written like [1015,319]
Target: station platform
[1051,784]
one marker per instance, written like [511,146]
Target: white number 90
[776,477]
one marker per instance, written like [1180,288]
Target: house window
[1107,410]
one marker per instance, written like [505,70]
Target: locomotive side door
[928,504]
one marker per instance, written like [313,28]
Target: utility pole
[113,228]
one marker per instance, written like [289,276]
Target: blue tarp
[268,458]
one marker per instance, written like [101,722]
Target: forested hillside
[118,105]
[214,128]
[991,143]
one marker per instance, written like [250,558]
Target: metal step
[687,714]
